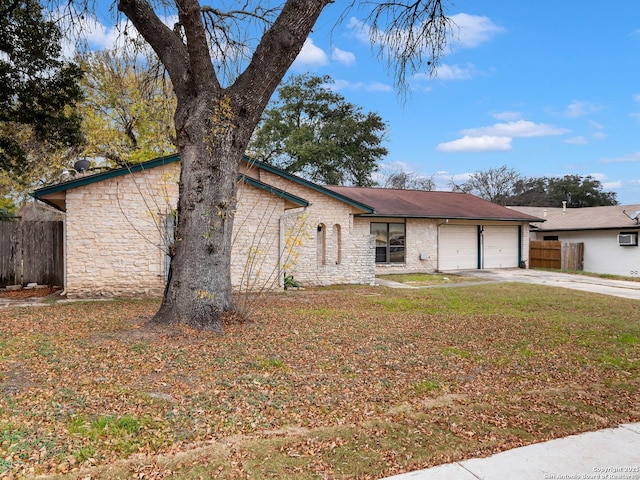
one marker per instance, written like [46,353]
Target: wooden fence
[31,252]
[555,254]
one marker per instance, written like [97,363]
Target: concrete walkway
[603,286]
[608,454]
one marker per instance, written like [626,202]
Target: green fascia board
[275,191]
[307,183]
[439,217]
[98,177]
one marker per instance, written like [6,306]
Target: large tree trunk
[199,290]
[213,128]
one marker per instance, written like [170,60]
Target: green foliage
[37,89]
[506,186]
[576,190]
[127,113]
[290,282]
[312,131]
[7,207]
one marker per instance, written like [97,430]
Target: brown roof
[587,218]
[389,202]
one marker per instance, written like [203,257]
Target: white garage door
[501,247]
[458,247]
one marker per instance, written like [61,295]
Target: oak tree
[311,131]
[225,64]
[38,93]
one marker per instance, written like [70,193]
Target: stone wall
[114,234]
[116,237]
[328,248]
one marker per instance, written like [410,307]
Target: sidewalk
[608,454]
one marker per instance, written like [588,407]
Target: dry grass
[349,382]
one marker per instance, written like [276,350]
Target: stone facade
[114,234]
[320,245]
[118,228]
[116,237]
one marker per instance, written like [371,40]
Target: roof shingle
[586,218]
[423,204]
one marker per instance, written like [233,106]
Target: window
[550,237]
[321,246]
[389,242]
[337,232]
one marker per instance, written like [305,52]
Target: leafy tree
[37,90]
[402,180]
[127,111]
[224,66]
[311,131]
[576,190]
[494,184]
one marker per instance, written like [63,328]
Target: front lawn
[348,382]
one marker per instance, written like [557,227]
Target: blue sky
[546,87]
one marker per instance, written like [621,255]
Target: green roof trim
[307,183]
[99,177]
[157,162]
[273,190]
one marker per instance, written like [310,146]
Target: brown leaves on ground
[353,382]
[43,291]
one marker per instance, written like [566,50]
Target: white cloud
[519,128]
[469,31]
[507,115]
[342,56]
[311,56]
[455,72]
[579,109]
[361,86]
[629,158]
[636,98]
[580,140]
[360,29]
[612,185]
[484,143]
[474,29]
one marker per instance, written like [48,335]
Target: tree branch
[201,67]
[282,41]
[167,45]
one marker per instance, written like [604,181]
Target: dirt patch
[29,292]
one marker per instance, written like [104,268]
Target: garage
[458,247]
[501,247]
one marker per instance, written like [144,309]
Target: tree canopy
[38,90]
[312,131]
[402,180]
[127,110]
[493,184]
[577,191]
[507,186]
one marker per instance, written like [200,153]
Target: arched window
[321,240]
[337,238]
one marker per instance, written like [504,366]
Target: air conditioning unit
[628,239]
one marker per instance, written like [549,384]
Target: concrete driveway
[616,288]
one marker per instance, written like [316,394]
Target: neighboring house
[609,234]
[119,226]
